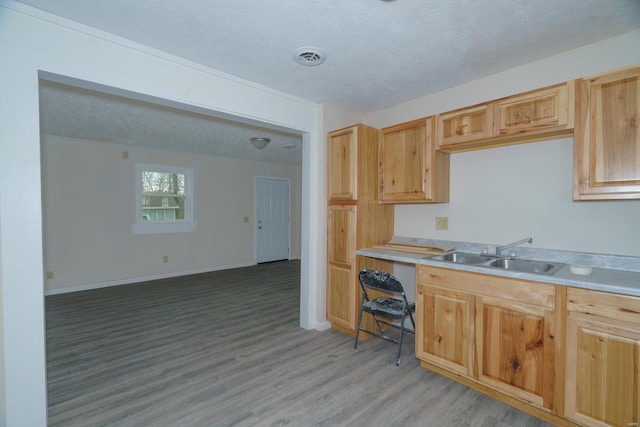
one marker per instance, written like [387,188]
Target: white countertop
[623,278]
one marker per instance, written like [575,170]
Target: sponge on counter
[583,270]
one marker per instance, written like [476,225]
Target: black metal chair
[384,309]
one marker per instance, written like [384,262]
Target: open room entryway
[272,219]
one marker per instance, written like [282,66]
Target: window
[164,199]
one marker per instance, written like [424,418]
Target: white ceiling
[96,116]
[379,53]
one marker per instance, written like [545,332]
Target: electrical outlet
[165,258]
[245,219]
[49,274]
[442,223]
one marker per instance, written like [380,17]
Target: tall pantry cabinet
[355,220]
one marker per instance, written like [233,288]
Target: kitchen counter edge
[619,281]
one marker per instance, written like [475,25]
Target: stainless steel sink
[525,265]
[511,264]
[462,258]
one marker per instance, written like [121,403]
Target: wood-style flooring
[225,349]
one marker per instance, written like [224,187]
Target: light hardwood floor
[225,349]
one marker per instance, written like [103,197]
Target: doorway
[272,219]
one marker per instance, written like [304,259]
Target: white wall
[89,206]
[3,409]
[504,194]
[33,41]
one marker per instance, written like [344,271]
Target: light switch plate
[442,223]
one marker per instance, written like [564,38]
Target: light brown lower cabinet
[341,271]
[444,321]
[603,359]
[567,355]
[515,349]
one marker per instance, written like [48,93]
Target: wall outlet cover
[442,223]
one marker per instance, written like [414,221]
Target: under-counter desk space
[564,347]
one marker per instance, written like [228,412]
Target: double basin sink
[511,264]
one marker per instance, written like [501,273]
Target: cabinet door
[537,110]
[341,296]
[341,276]
[603,358]
[404,163]
[465,126]
[602,386]
[341,234]
[410,170]
[444,333]
[607,136]
[514,349]
[343,164]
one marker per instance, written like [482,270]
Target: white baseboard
[322,326]
[128,281]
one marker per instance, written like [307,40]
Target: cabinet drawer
[611,306]
[521,291]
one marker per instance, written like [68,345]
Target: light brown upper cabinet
[540,110]
[343,166]
[532,116]
[410,169]
[466,125]
[607,136]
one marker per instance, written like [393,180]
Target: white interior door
[272,219]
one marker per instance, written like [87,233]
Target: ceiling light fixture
[309,56]
[260,143]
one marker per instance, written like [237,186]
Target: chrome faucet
[499,249]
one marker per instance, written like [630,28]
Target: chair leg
[412,321]
[355,343]
[400,341]
[380,330]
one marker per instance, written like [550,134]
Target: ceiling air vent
[309,56]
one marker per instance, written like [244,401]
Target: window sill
[163,227]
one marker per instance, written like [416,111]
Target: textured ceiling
[379,53]
[85,114]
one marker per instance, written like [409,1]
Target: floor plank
[225,349]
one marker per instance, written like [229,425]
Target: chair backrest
[380,280]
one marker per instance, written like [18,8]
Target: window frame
[142,226]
